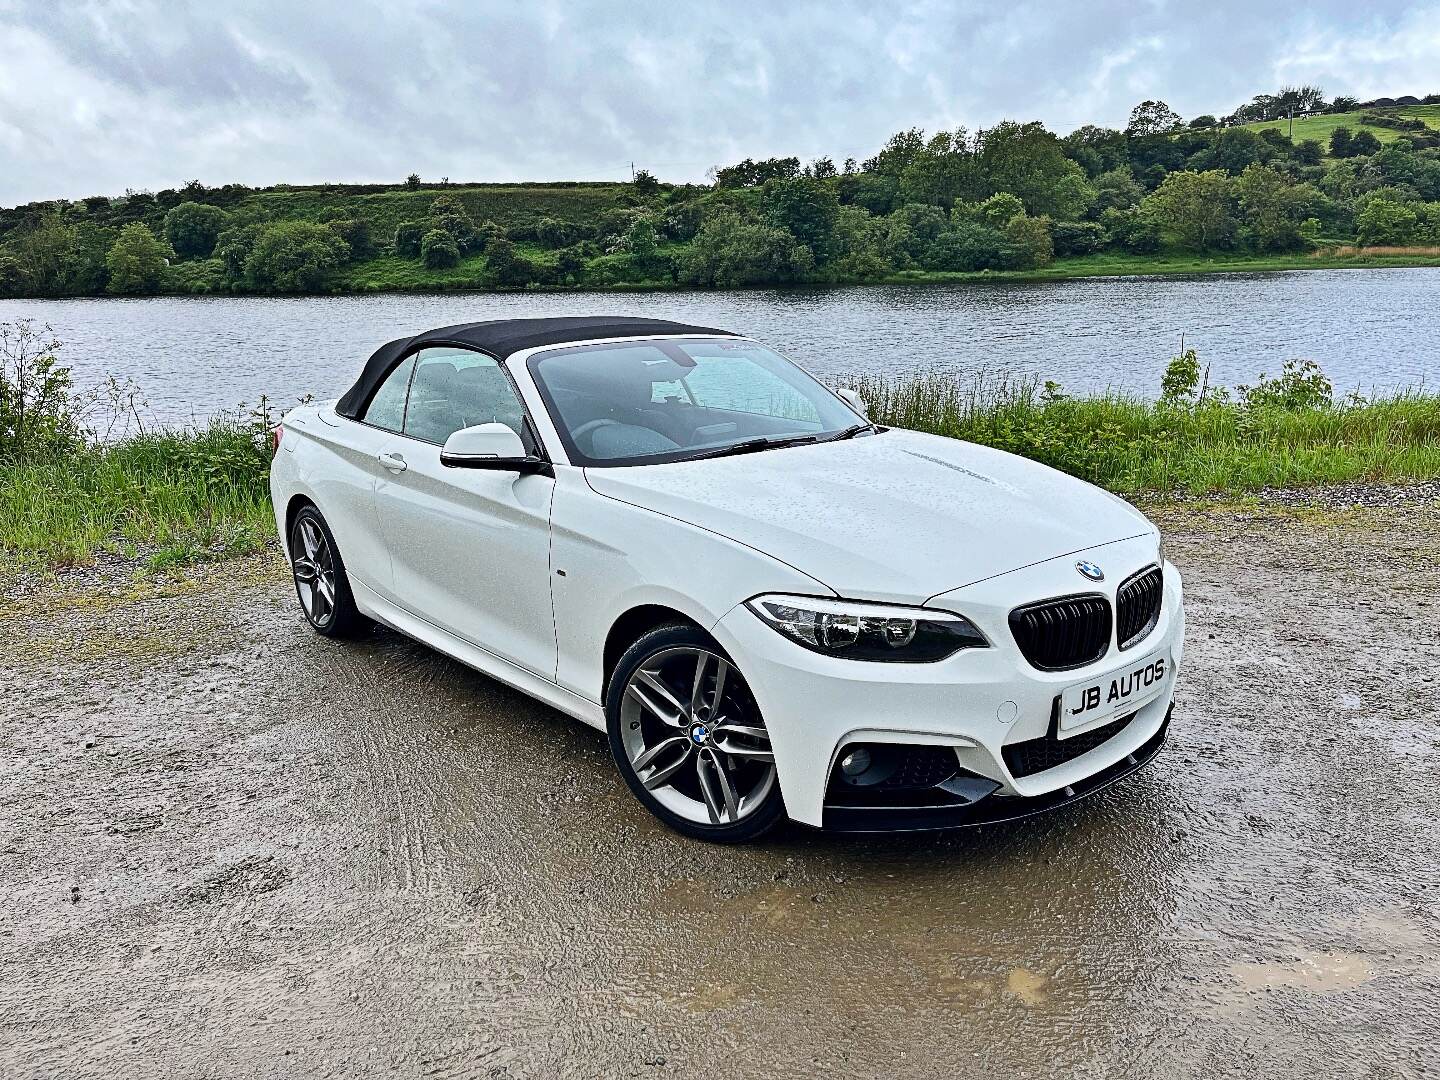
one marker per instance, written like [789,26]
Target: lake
[1369,329]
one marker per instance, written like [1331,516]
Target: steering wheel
[585,430]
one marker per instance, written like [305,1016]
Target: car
[773,607]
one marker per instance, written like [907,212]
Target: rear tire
[689,740]
[321,584]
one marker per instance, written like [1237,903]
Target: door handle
[394,462]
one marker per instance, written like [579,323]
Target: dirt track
[232,849]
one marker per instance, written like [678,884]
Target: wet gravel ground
[229,848]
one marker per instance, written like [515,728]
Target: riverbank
[307,856]
[172,498]
[389,274]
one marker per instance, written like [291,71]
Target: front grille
[1067,632]
[1047,752]
[1137,606]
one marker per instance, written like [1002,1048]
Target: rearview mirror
[852,398]
[490,446]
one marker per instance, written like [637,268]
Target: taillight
[275,436]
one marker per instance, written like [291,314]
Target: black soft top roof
[501,338]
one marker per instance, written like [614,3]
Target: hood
[897,517]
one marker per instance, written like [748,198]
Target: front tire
[689,740]
[321,583]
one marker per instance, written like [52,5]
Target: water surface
[1369,329]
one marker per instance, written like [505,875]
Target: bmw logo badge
[1090,570]
[700,734]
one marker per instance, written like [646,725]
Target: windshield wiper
[850,432]
[750,446]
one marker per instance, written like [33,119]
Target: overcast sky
[98,97]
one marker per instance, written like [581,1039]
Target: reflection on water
[1367,329]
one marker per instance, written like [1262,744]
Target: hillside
[1014,199]
[1321,127]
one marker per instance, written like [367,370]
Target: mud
[232,849]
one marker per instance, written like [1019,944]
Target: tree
[645,184]
[508,267]
[356,234]
[1117,190]
[754,173]
[729,251]
[1029,162]
[1031,245]
[137,260]
[807,208]
[968,246]
[1271,208]
[438,250]
[998,209]
[1196,207]
[1384,221]
[412,181]
[192,228]
[1077,237]
[408,235]
[294,256]
[1340,142]
[234,245]
[1205,121]
[1363,144]
[1308,152]
[1152,118]
[1344,103]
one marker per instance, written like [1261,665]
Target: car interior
[640,402]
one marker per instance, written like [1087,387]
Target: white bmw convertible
[771,605]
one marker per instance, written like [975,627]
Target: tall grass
[176,497]
[172,497]
[1132,445]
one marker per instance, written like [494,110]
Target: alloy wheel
[313,563]
[694,736]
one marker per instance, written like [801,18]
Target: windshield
[646,402]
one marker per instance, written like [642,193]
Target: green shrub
[137,261]
[37,414]
[507,266]
[967,246]
[408,236]
[438,250]
[356,234]
[1077,237]
[294,256]
[192,229]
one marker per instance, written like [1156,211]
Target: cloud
[102,96]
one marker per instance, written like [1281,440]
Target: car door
[345,485]
[469,548]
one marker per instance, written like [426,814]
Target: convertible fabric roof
[503,337]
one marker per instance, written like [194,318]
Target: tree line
[1012,197]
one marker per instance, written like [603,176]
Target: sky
[97,98]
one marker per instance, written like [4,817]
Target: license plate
[1122,691]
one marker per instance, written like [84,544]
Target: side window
[457,388]
[387,408]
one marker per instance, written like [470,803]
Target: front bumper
[974,704]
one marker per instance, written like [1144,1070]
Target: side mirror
[490,446]
[852,398]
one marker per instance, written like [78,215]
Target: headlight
[860,631]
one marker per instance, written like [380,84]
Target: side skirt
[487,663]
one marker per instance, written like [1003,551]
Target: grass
[1130,445]
[1118,264]
[176,498]
[1320,128]
[171,498]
